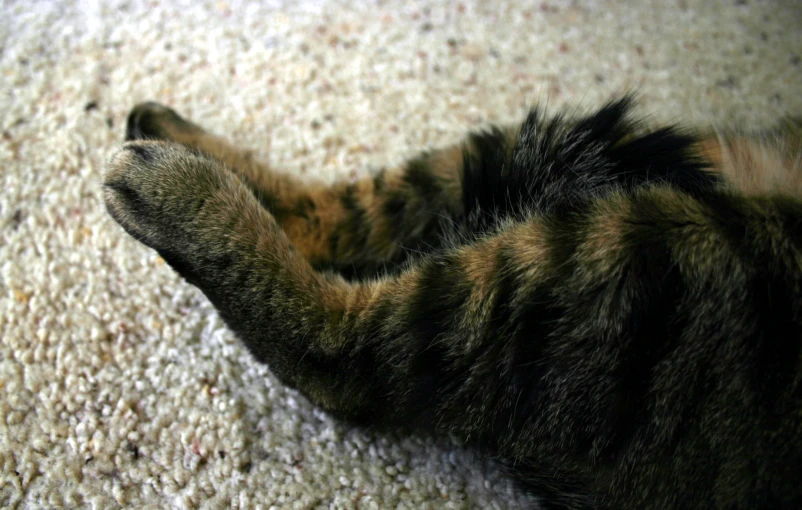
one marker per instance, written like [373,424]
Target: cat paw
[155,189]
[154,121]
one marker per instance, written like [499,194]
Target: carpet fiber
[121,386]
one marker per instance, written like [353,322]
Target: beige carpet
[121,387]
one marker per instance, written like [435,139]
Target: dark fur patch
[483,177]
[419,176]
[144,153]
[559,163]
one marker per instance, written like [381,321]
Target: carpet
[120,385]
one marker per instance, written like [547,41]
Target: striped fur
[612,310]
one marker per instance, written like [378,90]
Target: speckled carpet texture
[121,387]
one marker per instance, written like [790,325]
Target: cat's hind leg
[543,165]
[357,228]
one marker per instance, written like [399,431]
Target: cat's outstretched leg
[342,344]
[543,164]
[357,228]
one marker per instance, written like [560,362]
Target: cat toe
[154,121]
[130,175]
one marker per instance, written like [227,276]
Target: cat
[612,310]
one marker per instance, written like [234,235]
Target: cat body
[612,311]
